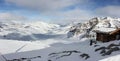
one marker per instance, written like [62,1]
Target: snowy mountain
[40,27]
[40,41]
[28,31]
[93,24]
[43,27]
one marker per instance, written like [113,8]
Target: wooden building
[107,36]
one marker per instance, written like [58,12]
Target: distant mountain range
[16,29]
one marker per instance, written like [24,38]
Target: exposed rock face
[83,27]
[25,59]
[93,24]
[85,55]
[108,50]
[67,53]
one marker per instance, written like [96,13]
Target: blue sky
[58,10]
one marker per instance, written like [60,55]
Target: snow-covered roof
[105,29]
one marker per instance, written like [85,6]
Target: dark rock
[101,48]
[112,45]
[49,60]
[39,56]
[96,45]
[92,42]
[16,60]
[115,49]
[85,55]
[23,58]
[107,53]
[103,51]
[111,50]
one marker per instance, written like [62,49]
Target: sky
[58,11]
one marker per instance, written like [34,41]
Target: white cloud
[113,11]
[52,8]
[45,5]
[71,15]
[11,16]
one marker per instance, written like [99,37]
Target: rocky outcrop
[109,49]
[55,56]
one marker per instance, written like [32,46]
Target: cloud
[11,16]
[76,14]
[44,5]
[53,9]
[113,11]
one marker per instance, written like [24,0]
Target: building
[106,35]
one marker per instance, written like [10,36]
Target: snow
[43,27]
[46,47]
[105,29]
[10,46]
[40,41]
[113,58]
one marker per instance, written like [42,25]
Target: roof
[107,31]
[104,30]
[114,32]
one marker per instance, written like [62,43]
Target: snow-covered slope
[57,50]
[38,27]
[43,27]
[94,24]
[112,58]
[28,31]
[40,41]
